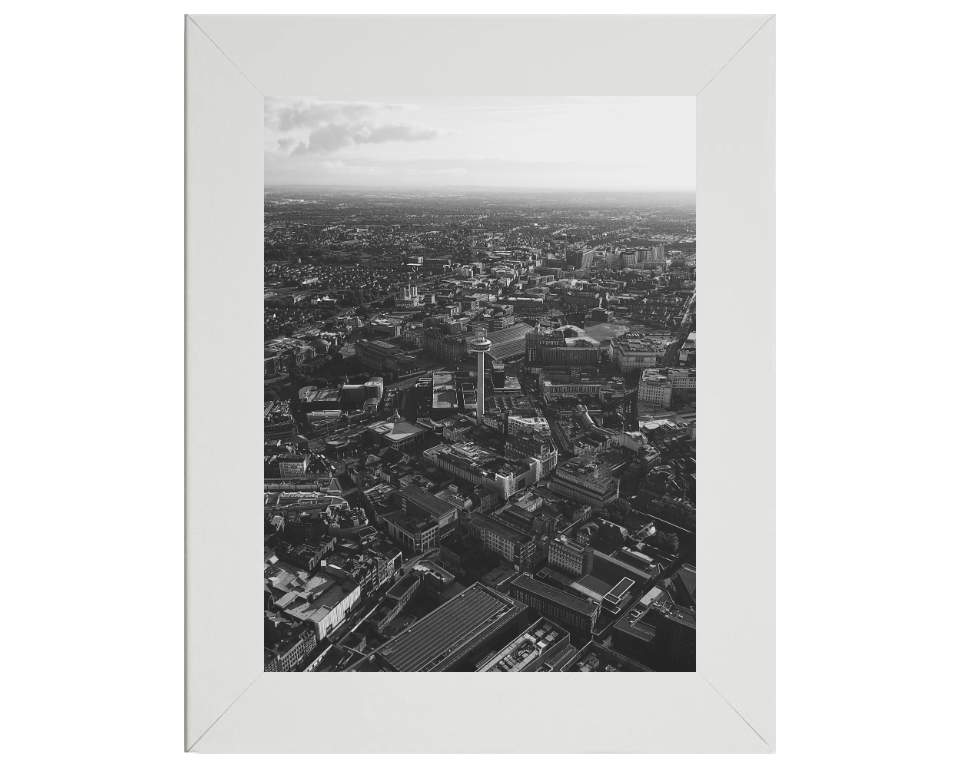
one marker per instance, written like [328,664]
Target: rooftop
[396,430]
[526,582]
[494,525]
[533,644]
[428,502]
[413,522]
[449,630]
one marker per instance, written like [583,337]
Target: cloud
[312,115]
[334,136]
[317,128]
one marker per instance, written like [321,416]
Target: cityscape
[479,427]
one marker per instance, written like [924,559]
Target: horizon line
[481,186]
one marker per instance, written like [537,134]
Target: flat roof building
[635,351]
[413,529]
[572,612]
[570,556]
[516,548]
[538,648]
[447,636]
[397,432]
[414,498]
[594,657]
[586,480]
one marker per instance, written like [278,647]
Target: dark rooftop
[528,583]
[414,494]
[439,637]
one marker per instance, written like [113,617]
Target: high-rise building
[581,259]
[408,297]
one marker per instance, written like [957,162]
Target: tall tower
[480,346]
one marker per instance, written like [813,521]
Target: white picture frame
[727,63]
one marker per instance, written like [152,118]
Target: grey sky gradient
[614,143]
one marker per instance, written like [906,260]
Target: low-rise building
[566,347]
[516,548]
[634,351]
[382,356]
[445,639]
[414,499]
[541,647]
[394,601]
[293,465]
[321,600]
[571,612]
[584,479]
[482,467]
[536,445]
[570,556]
[414,530]
[287,643]
[396,432]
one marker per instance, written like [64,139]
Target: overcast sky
[559,143]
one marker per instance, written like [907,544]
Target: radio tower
[480,345]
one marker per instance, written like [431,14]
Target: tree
[668,542]
[616,510]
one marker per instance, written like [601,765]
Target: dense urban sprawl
[479,431]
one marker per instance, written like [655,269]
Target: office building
[476,465]
[414,530]
[635,351]
[581,259]
[381,356]
[566,347]
[408,297]
[584,479]
[577,615]
[535,445]
[570,556]
[293,464]
[566,381]
[516,548]
[441,343]
[654,388]
[414,499]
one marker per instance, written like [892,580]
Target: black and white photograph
[480,389]
[465,238]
